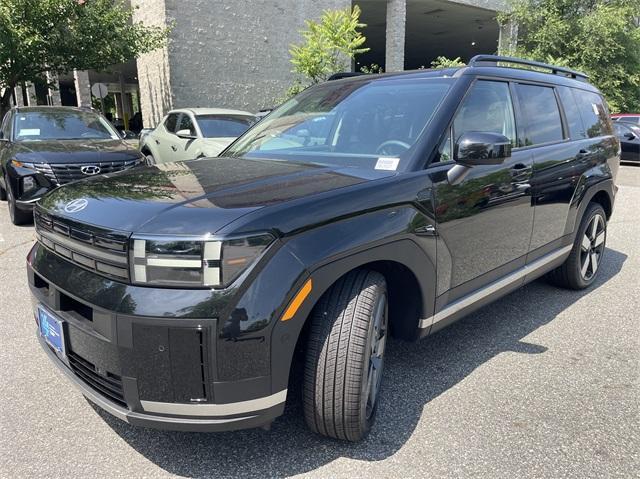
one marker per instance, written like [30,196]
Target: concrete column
[508,39]
[83,87]
[54,94]
[396,26]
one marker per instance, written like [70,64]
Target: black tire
[340,361]
[3,194]
[18,217]
[577,272]
[150,159]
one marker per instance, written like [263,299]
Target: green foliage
[444,62]
[372,69]
[329,46]
[598,37]
[37,36]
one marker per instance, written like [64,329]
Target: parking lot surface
[542,383]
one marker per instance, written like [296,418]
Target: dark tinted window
[186,124]
[594,114]
[171,122]
[541,117]
[622,130]
[571,111]
[215,126]
[487,108]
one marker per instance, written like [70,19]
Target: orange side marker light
[297,301]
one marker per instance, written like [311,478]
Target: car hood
[73,151]
[195,197]
[213,146]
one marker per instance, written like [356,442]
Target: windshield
[357,123]
[216,126]
[61,125]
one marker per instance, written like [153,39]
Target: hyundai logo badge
[90,170]
[76,205]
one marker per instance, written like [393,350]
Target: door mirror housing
[185,134]
[629,136]
[476,148]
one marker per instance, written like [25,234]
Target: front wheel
[18,217]
[583,264]
[345,356]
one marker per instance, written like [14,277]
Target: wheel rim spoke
[585,266]
[594,227]
[586,243]
[599,239]
[594,263]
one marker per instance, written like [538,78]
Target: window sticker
[390,164]
[29,132]
[595,108]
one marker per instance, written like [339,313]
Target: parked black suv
[176,295]
[43,147]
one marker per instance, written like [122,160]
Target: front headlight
[179,262]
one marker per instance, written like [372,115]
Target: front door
[486,219]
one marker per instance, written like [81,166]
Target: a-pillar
[396,26]
[83,87]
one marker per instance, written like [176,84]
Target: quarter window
[540,114]
[486,108]
[594,113]
[171,122]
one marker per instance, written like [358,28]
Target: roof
[212,111]
[46,108]
[625,114]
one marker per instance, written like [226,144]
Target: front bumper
[151,368]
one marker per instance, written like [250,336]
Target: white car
[191,133]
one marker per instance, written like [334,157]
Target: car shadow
[415,374]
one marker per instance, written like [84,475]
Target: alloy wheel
[592,247]
[376,358]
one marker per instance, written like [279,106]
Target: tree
[444,62]
[58,36]
[329,47]
[598,37]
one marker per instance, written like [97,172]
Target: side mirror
[476,148]
[186,134]
[629,136]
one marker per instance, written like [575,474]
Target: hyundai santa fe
[187,295]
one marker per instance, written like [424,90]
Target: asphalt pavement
[542,383]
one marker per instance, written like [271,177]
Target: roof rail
[341,75]
[492,60]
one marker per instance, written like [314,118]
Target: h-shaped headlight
[199,263]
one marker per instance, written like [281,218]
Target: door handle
[174,148]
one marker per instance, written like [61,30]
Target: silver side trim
[210,410]
[511,278]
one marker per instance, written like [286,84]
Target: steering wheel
[384,148]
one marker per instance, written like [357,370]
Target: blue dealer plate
[51,329]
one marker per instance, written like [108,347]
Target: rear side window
[541,117]
[171,122]
[593,112]
[572,113]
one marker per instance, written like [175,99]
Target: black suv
[43,147]
[185,295]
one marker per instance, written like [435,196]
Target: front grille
[103,252]
[104,382]
[61,173]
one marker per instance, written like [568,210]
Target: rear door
[485,220]
[629,141]
[162,138]
[547,136]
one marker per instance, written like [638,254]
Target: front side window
[219,126]
[541,116]
[61,125]
[185,123]
[486,108]
[351,123]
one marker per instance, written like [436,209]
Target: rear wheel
[18,217]
[345,356]
[582,266]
